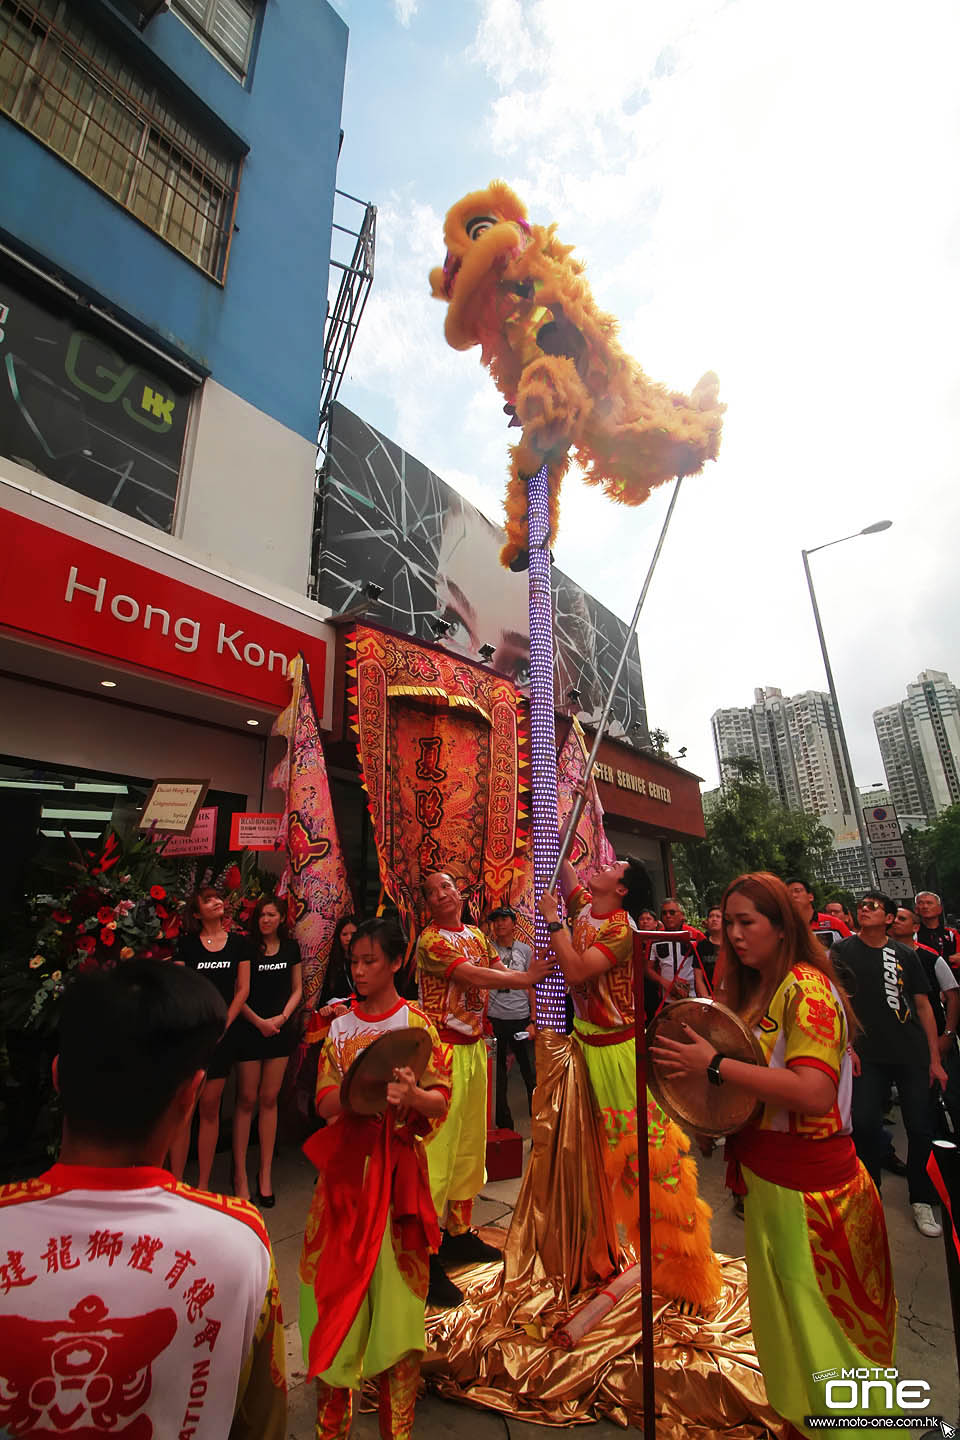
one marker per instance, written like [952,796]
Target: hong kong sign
[56,586]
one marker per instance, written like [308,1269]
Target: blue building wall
[261,334]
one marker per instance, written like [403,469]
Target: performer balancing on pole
[457,965]
[818,1266]
[372,1225]
[598,965]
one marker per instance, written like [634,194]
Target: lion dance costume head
[512,288]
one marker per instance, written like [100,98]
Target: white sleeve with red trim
[149,1309]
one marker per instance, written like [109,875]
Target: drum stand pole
[580,798]
[643,1201]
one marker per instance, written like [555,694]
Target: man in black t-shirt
[898,1044]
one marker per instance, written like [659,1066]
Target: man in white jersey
[131,1304]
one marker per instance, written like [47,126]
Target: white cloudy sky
[765,189]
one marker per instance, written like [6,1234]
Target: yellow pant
[457,1150]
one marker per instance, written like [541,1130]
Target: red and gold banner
[316,876]
[591,849]
[442,750]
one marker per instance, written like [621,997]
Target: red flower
[157,892]
[107,937]
[164,914]
[87,944]
[233,879]
[105,915]
[62,917]
[89,964]
[172,928]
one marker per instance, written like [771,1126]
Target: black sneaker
[441,1291]
[465,1249]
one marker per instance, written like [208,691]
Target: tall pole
[551,992]
[854,795]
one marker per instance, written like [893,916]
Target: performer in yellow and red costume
[372,1225]
[822,1299]
[457,966]
[598,964]
[513,289]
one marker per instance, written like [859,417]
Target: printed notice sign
[254,830]
[202,839]
[172,806]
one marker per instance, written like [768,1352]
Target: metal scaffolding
[344,316]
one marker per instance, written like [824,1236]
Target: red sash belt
[455,1037]
[367,1166]
[793,1161]
[609,1037]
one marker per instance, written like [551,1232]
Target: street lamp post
[854,794]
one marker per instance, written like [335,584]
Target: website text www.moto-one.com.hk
[850,1395]
[875,1422]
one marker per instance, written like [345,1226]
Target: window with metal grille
[60,81]
[227,24]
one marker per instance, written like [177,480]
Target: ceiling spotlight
[573,696]
[487,652]
[372,590]
[253,722]
[109,684]
[637,727]
[681,752]
[440,627]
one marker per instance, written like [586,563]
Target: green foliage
[748,829]
[933,857]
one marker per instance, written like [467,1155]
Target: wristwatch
[554,926]
[713,1069]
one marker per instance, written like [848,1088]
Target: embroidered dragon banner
[443,757]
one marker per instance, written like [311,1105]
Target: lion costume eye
[479,225]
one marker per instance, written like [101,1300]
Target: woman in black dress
[266,1036]
[338,981]
[222,956]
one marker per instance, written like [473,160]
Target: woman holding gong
[818,1263]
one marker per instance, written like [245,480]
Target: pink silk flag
[591,849]
[315,881]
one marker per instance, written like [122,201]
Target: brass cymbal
[691,1100]
[364,1087]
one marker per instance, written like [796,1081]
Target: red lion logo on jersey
[83,1376]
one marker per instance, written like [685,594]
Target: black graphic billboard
[74,409]
[388,519]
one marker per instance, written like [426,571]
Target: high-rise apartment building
[794,741]
[919,740]
[796,744]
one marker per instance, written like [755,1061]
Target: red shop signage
[66,590]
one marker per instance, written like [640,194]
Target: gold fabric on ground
[495,1351]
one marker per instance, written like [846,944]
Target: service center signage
[627,780]
[62,588]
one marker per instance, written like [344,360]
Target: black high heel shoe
[266,1202]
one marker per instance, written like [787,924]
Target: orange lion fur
[514,289]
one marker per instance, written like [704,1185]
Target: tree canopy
[933,857]
[749,829]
